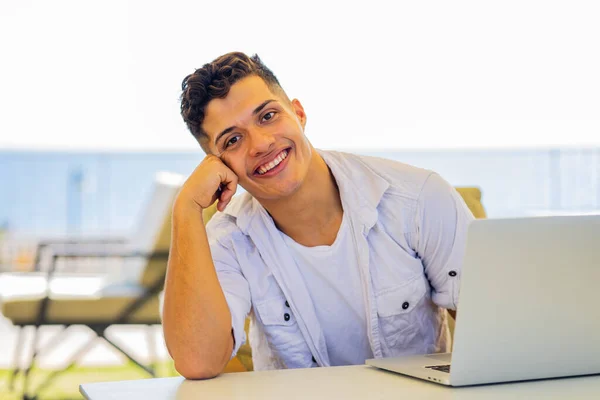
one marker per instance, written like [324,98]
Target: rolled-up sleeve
[442,219]
[236,290]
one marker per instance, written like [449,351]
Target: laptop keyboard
[441,368]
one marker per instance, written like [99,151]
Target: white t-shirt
[331,274]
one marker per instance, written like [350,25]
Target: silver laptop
[529,305]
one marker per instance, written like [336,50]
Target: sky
[106,75]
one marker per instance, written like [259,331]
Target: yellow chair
[472,198]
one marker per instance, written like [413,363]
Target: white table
[353,382]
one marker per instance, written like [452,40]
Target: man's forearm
[196,318]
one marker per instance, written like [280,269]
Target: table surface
[352,382]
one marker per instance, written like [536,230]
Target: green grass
[66,385]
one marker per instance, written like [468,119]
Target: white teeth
[263,169]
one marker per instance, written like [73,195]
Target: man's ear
[299,111]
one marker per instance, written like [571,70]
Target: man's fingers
[221,205]
[229,185]
[228,177]
[222,202]
[226,195]
[228,189]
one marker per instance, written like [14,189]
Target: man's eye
[232,141]
[268,115]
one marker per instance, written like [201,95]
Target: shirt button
[452,273]
[286,316]
[287,304]
[405,305]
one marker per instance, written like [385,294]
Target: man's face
[259,135]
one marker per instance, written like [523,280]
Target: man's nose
[261,141]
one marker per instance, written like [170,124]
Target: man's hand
[212,180]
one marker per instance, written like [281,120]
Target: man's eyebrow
[262,105]
[256,111]
[225,132]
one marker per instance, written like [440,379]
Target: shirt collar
[361,188]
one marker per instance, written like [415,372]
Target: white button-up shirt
[409,229]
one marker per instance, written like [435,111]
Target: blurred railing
[26,255]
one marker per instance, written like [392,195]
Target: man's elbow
[198,370]
[205,362]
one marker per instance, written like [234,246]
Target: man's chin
[271,194]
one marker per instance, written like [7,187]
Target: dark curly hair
[214,80]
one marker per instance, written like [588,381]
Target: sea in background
[46,194]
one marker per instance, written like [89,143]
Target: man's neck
[313,214]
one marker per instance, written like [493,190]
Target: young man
[337,257]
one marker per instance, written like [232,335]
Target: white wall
[371,74]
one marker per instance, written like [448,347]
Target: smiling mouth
[263,169]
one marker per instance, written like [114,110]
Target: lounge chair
[104,304]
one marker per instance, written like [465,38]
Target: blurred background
[504,96]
